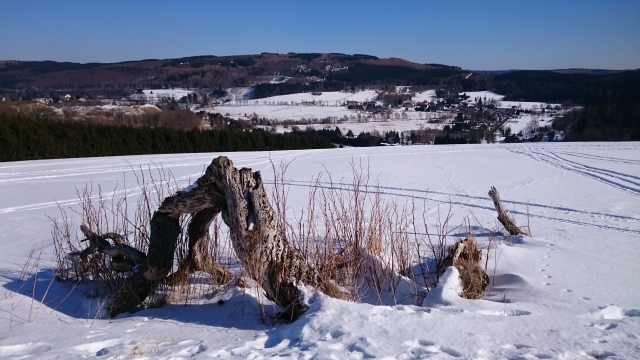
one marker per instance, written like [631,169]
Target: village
[412,117]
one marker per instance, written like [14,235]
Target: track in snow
[554,156]
[539,211]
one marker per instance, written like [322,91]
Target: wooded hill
[611,99]
[192,72]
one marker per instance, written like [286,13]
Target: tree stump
[259,243]
[503,216]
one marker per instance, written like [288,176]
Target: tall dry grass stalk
[359,238]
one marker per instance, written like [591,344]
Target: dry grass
[351,233]
[105,212]
[142,350]
[466,257]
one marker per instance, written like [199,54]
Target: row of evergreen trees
[28,139]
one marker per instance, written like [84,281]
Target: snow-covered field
[309,108]
[519,123]
[488,96]
[572,291]
[155,95]
[312,109]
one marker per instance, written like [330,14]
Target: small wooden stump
[503,216]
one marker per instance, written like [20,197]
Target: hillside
[611,99]
[192,72]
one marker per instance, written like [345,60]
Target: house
[352,104]
[408,104]
[67,97]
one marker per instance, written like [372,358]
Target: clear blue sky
[486,35]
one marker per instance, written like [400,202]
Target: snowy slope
[571,291]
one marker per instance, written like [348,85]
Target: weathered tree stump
[259,243]
[503,216]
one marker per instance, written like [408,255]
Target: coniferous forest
[30,139]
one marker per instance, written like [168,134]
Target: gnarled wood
[503,215]
[259,243]
[198,258]
[123,257]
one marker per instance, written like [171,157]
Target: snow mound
[610,312]
[447,291]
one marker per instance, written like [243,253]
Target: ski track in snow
[628,183]
[540,211]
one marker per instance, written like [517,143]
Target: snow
[519,123]
[328,110]
[311,110]
[482,94]
[155,95]
[570,291]
[491,96]
[429,95]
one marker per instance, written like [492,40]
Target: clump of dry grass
[142,350]
[466,257]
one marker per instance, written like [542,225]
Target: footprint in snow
[605,326]
[610,312]
[421,348]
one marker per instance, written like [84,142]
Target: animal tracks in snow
[423,348]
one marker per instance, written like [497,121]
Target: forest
[31,139]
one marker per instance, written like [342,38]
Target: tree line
[30,139]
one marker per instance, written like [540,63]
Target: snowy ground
[312,109]
[156,95]
[519,123]
[570,292]
[488,96]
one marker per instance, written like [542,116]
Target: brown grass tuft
[466,257]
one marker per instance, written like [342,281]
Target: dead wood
[258,241]
[503,216]
[198,258]
[123,257]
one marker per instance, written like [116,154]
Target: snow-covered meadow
[328,110]
[571,291]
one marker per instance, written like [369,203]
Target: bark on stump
[198,258]
[503,215]
[259,243]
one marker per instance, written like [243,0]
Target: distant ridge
[561,71]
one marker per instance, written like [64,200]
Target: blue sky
[487,35]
